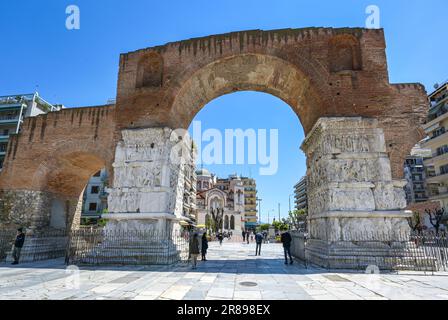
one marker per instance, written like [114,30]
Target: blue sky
[79,68]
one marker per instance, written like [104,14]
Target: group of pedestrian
[286,240]
[248,236]
[194,248]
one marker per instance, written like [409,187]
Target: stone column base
[361,255]
[131,241]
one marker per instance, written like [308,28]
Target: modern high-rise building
[250,203]
[415,174]
[300,195]
[436,128]
[14,109]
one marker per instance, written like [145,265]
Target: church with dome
[221,203]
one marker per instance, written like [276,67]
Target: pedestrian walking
[259,241]
[18,245]
[286,240]
[265,237]
[220,238]
[204,246]
[248,236]
[194,250]
[244,235]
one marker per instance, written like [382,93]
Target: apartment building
[14,109]
[437,130]
[300,195]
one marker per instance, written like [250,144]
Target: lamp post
[290,202]
[259,209]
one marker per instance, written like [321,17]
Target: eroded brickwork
[53,157]
[317,71]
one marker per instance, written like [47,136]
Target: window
[3,147]
[444,169]
[6,132]
[95,190]
[97,174]
[438,132]
[92,206]
[442,150]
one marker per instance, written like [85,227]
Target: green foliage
[415,222]
[280,225]
[298,218]
[264,227]
[102,222]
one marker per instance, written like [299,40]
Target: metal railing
[426,251]
[6,243]
[101,247]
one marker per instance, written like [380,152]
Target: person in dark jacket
[286,240]
[259,241]
[220,238]
[244,235]
[194,250]
[18,245]
[204,246]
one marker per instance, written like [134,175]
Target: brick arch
[68,170]
[51,160]
[250,72]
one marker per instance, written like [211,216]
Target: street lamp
[259,209]
[290,202]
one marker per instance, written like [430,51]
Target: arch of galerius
[358,127]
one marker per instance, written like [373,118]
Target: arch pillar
[148,186]
[353,199]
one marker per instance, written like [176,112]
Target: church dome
[203,172]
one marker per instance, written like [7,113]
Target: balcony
[436,142]
[438,178]
[6,117]
[14,106]
[436,160]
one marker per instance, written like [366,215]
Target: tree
[280,225]
[298,219]
[415,222]
[264,227]
[436,217]
[217,217]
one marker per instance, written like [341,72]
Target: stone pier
[146,200]
[353,200]
[148,186]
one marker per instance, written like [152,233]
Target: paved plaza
[232,272]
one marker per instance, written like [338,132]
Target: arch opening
[63,179]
